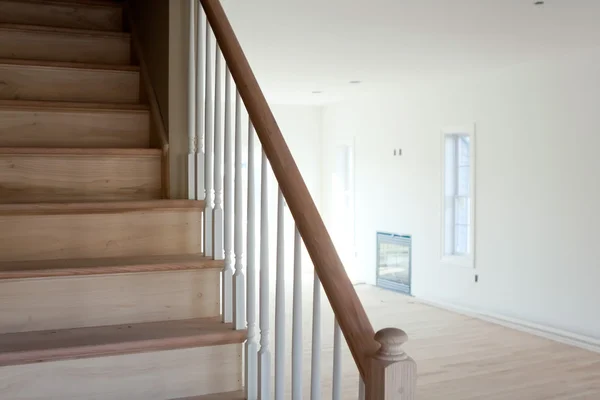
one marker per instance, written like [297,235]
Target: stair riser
[74,178]
[139,233]
[147,376]
[76,302]
[78,129]
[61,15]
[50,46]
[28,82]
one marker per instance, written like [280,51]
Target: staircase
[104,291]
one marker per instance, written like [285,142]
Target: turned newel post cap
[391,341]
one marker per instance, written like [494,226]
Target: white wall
[537,187]
[301,126]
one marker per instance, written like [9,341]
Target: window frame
[468,259]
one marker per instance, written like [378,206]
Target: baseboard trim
[558,335]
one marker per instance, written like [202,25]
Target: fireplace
[394,261]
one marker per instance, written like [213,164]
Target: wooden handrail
[346,305]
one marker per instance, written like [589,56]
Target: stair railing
[215,175]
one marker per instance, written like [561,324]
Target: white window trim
[467,261]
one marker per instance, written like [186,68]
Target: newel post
[393,374]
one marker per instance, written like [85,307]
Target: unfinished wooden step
[58,13]
[73,125]
[31,175]
[31,42]
[105,266]
[87,230]
[238,395]
[66,344]
[72,105]
[135,362]
[156,375]
[61,81]
[98,300]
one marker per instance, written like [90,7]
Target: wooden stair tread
[70,65]
[41,151]
[113,207]
[66,31]
[104,266]
[46,231]
[24,40]
[73,125]
[69,106]
[64,344]
[58,175]
[68,81]
[86,3]
[239,395]
[83,14]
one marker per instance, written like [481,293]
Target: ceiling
[299,46]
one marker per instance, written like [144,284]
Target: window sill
[459,261]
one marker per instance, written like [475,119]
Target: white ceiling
[299,46]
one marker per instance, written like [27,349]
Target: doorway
[342,184]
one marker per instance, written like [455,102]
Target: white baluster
[337,362]
[239,310]
[297,320]
[315,367]
[361,389]
[191,170]
[217,227]
[200,68]
[227,276]
[280,303]
[251,342]
[208,146]
[264,355]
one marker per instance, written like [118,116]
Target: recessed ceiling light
[355,82]
[317,92]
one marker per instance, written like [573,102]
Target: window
[458,195]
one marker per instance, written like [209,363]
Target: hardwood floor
[458,357]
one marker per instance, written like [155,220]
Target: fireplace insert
[394,261]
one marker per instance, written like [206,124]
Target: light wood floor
[458,357]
